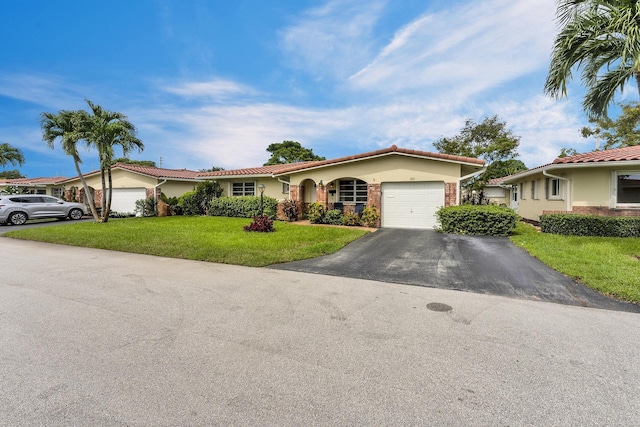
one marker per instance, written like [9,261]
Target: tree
[104,129]
[290,152]
[212,169]
[601,37]
[489,140]
[128,161]
[621,132]
[566,152]
[9,154]
[501,168]
[67,126]
[12,174]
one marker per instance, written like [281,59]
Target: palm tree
[601,37]
[104,130]
[9,154]
[67,126]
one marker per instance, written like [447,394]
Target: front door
[515,198]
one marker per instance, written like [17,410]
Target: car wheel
[75,214]
[18,218]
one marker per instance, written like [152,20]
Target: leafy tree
[197,202]
[621,132]
[290,152]
[212,169]
[12,174]
[601,37]
[104,130]
[501,168]
[566,152]
[489,140]
[67,126]
[128,161]
[9,154]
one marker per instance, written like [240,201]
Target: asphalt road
[91,337]
[488,265]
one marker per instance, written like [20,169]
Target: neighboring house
[408,186]
[603,183]
[132,183]
[48,186]
[497,192]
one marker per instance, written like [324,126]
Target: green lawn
[608,264]
[213,239]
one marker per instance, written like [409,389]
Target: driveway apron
[481,264]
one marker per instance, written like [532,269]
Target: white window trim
[614,191]
[244,183]
[560,195]
[534,189]
[355,192]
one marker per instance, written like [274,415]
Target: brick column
[450,191]
[295,193]
[322,195]
[374,196]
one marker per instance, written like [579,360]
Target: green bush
[243,207]
[196,202]
[146,207]
[481,220]
[190,204]
[315,212]
[351,219]
[590,225]
[332,217]
[370,216]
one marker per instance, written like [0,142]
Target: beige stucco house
[49,186]
[600,182]
[407,186]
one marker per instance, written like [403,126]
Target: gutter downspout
[284,182]
[155,193]
[568,181]
[462,178]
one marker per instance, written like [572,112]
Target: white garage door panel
[124,199]
[411,204]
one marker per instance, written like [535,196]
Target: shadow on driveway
[488,265]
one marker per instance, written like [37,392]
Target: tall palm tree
[67,126]
[104,129]
[601,37]
[9,154]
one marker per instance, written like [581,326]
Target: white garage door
[411,204]
[124,199]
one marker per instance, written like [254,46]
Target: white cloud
[216,89]
[42,89]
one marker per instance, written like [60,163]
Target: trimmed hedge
[590,225]
[243,207]
[481,220]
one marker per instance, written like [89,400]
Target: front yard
[610,265]
[212,239]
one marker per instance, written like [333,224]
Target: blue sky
[214,82]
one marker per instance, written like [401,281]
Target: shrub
[197,202]
[172,202]
[333,217]
[590,225]
[351,219]
[190,204]
[481,220]
[243,207]
[315,213]
[145,207]
[261,224]
[290,209]
[370,216]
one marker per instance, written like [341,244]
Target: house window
[534,188]
[57,192]
[243,189]
[285,188]
[352,191]
[522,191]
[628,192]
[553,189]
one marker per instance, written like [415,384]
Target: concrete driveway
[98,338]
[488,265]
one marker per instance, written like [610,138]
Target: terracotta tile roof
[158,172]
[614,155]
[32,181]
[293,167]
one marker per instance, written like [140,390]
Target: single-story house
[603,183]
[49,186]
[132,183]
[407,186]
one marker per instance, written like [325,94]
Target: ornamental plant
[261,224]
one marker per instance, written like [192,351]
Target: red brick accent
[322,195]
[598,210]
[374,196]
[296,193]
[450,191]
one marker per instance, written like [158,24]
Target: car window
[32,199]
[17,199]
[50,199]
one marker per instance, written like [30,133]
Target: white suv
[16,209]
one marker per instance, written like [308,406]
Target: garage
[124,199]
[411,204]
